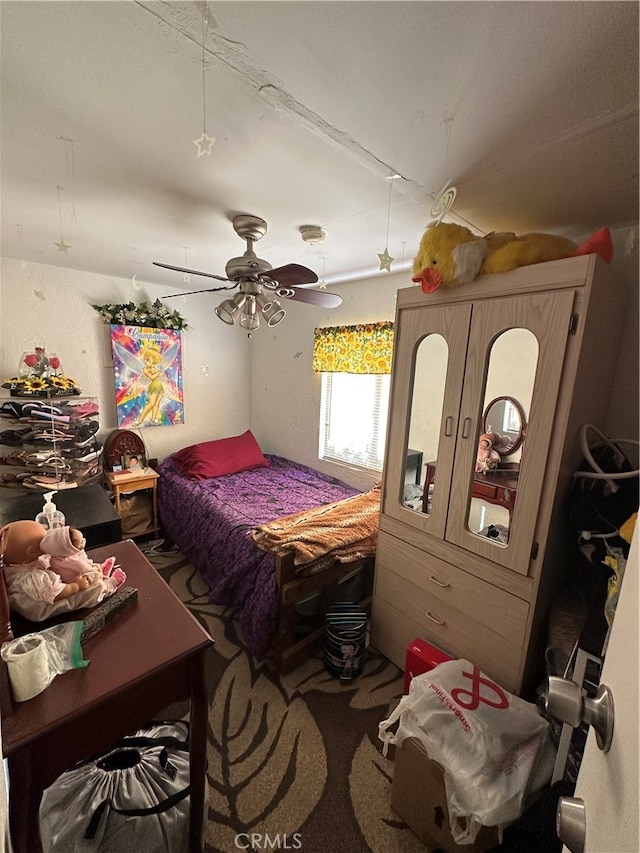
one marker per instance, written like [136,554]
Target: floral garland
[155,316]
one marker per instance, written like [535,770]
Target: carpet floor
[294,761]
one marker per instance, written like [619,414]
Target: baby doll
[487,458]
[65,546]
[34,590]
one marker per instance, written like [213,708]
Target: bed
[214,520]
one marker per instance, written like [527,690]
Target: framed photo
[117,468]
[134,462]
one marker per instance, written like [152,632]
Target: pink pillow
[224,456]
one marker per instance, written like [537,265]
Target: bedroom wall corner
[53,306]
[285,392]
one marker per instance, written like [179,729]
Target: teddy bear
[451,254]
[487,458]
[35,589]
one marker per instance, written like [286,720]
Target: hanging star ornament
[62,246]
[204,144]
[322,284]
[386,260]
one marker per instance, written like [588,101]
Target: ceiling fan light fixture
[276,313]
[228,310]
[250,319]
[250,322]
[271,309]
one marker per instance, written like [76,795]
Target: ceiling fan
[256,281]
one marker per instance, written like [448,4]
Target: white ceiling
[529,108]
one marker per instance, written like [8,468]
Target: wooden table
[135,481]
[496,487]
[150,656]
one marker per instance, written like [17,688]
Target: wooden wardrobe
[476,569]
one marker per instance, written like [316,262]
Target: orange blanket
[345,531]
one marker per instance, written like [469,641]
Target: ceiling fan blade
[191,272]
[314,297]
[206,290]
[291,275]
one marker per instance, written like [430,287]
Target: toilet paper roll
[27,661]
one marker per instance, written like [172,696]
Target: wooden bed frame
[290,651]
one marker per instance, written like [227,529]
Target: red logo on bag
[477,681]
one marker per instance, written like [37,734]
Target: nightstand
[135,481]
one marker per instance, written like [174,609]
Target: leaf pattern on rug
[293,757]
[383,829]
[258,738]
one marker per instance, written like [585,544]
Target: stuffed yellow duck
[451,254]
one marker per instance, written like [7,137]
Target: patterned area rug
[294,762]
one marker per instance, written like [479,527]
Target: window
[353,418]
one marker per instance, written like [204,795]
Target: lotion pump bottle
[50,517]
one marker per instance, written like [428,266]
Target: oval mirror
[505,417]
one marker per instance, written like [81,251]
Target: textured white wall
[285,393]
[232,383]
[53,306]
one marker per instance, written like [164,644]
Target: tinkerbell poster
[147,366]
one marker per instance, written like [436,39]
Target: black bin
[345,639]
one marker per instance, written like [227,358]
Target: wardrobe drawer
[392,630]
[436,582]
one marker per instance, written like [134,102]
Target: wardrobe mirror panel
[511,375]
[429,380]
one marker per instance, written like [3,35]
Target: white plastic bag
[495,748]
[135,799]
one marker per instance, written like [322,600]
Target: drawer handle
[430,616]
[441,584]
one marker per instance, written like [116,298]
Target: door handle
[571,823]
[565,701]
[466,428]
[448,426]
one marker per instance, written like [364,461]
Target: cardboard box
[418,796]
[421,657]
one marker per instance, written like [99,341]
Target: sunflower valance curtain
[365,348]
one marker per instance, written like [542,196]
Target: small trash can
[345,639]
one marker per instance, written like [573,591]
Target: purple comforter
[209,521]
